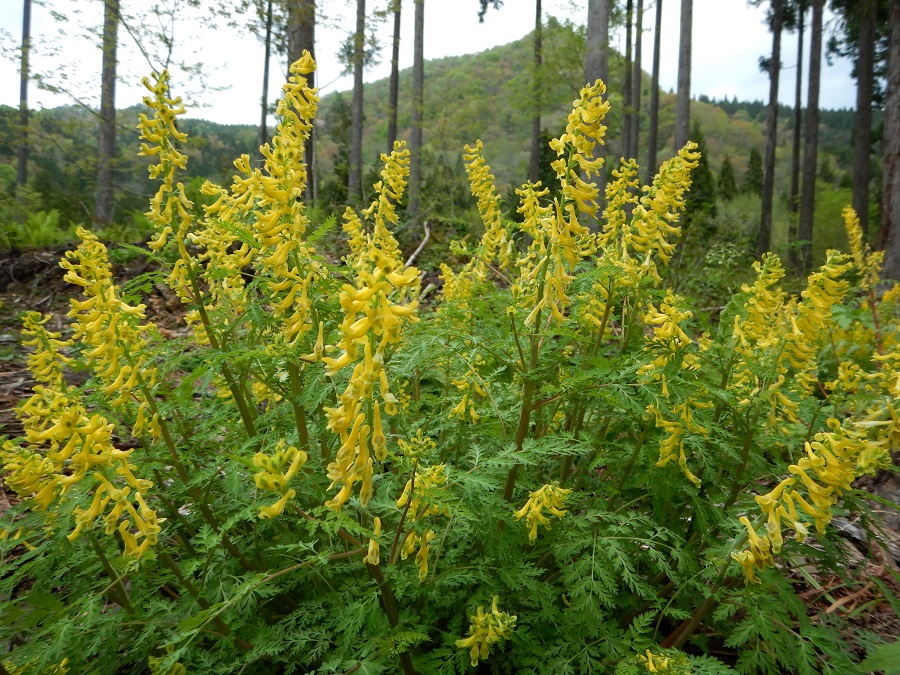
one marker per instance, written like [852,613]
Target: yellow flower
[275,474]
[551,498]
[485,630]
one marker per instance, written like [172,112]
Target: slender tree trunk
[794,203]
[635,134]
[354,186]
[811,141]
[653,132]
[627,82]
[863,119]
[394,93]
[263,132]
[596,60]
[22,153]
[534,163]
[415,134]
[890,193]
[302,36]
[683,100]
[106,140]
[764,240]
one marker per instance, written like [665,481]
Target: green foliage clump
[753,179]
[555,469]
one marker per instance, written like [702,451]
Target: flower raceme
[485,630]
[550,498]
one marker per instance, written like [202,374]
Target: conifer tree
[811,139]
[753,179]
[727,182]
[653,131]
[890,199]
[764,240]
[700,202]
[355,187]
[106,140]
[683,101]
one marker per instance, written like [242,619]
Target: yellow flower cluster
[429,484]
[112,332]
[275,474]
[671,446]
[384,296]
[485,630]
[866,261]
[666,340]
[655,663]
[833,460]
[424,542]
[470,383]
[417,446]
[373,554]
[551,498]
[28,669]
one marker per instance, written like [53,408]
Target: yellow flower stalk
[373,554]
[866,261]
[550,498]
[276,471]
[667,337]
[671,446]
[423,499]
[496,245]
[655,663]
[417,446]
[375,310]
[485,630]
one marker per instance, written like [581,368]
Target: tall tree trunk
[263,133]
[354,185]
[653,132]
[534,163]
[862,132]
[811,140]
[794,204]
[683,100]
[596,60]
[106,140]
[890,193]
[22,153]
[302,36]
[394,93]
[635,134]
[626,83]
[764,240]
[418,106]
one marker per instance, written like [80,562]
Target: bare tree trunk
[811,141]
[653,133]
[354,186]
[683,100]
[636,82]
[794,204]
[890,194]
[764,240]
[302,36]
[263,133]
[415,134]
[106,140]
[534,163]
[394,94]
[626,83]
[862,132]
[22,153]
[596,60]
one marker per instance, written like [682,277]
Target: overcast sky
[729,38]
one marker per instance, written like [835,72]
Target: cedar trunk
[264,104]
[636,82]
[811,140]
[302,36]
[22,153]
[394,93]
[794,203]
[415,134]
[354,186]
[764,240]
[626,83]
[106,139]
[653,131]
[596,60]
[683,99]
[862,131]
[534,163]
[890,194]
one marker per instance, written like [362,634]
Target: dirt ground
[33,280]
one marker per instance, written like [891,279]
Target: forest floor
[866,593]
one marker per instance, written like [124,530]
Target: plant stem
[611,502]
[299,410]
[121,595]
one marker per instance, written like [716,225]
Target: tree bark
[811,140]
[394,93]
[354,186]
[890,194]
[764,240]
[263,132]
[683,100]
[862,132]
[653,132]
[794,203]
[626,83]
[302,36]
[106,139]
[415,134]
[534,163]
[22,152]
[596,61]
[636,82]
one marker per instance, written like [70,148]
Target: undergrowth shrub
[551,471]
